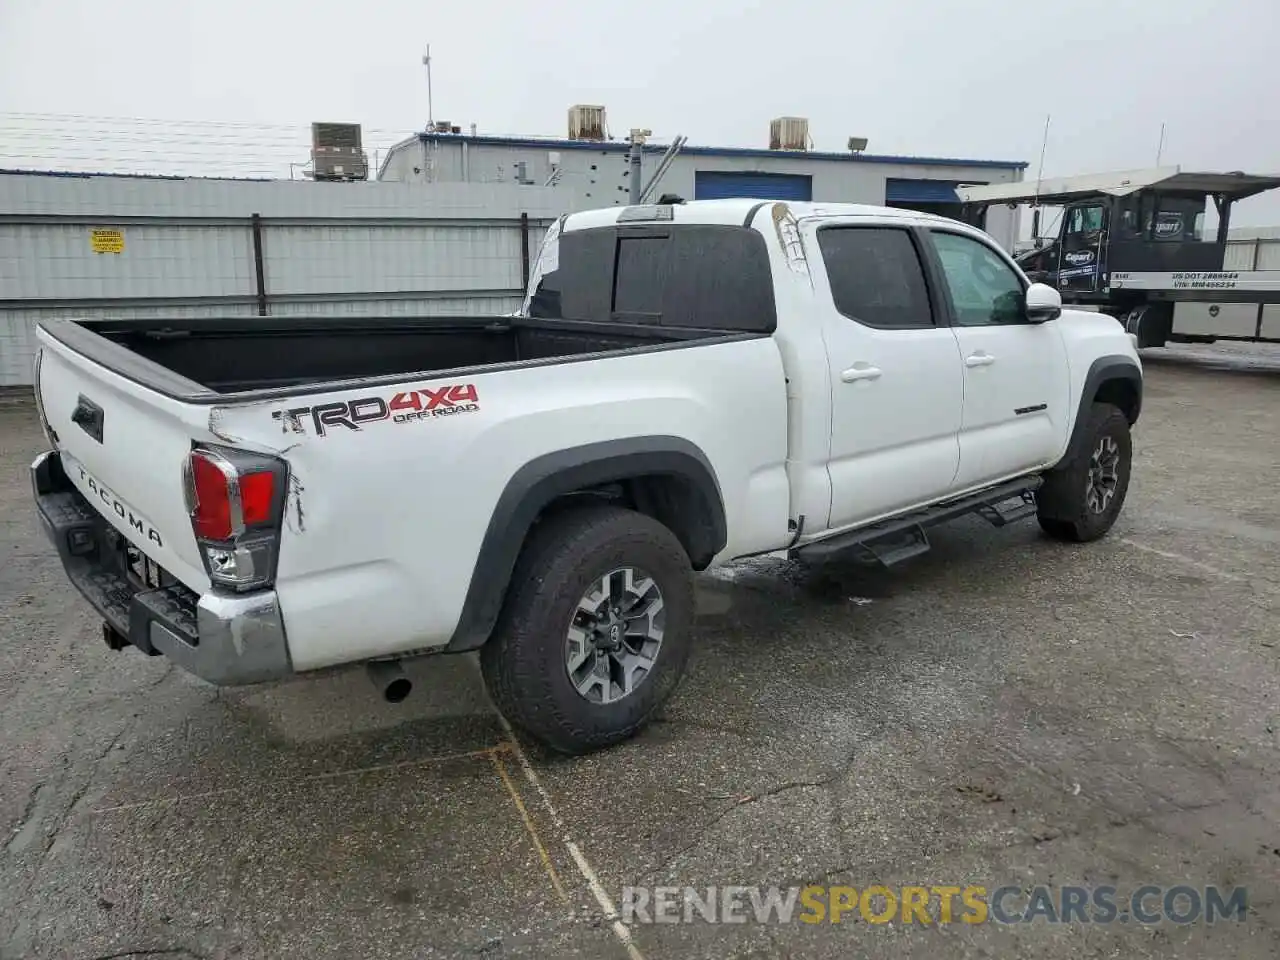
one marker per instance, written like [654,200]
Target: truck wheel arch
[1113,379]
[551,478]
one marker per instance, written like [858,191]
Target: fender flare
[544,479]
[1103,370]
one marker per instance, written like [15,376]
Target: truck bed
[253,354]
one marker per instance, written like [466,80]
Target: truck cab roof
[735,211]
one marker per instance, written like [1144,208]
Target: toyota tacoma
[686,384]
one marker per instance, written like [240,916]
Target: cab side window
[985,291]
[1085,222]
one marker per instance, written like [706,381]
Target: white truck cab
[686,384]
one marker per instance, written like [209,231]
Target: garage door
[717,185]
[920,191]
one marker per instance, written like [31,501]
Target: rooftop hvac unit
[586,122]
[337,152]
[789,133]
[442,126]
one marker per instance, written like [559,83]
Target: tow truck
[1133,244]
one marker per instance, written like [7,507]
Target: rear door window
[875,276]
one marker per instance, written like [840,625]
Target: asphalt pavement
[1004,712]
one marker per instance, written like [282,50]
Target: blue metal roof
[619,146]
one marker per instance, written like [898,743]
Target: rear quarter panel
[384,523]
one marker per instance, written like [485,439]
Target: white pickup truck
[687,384]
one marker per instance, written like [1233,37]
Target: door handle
[979,359]
[860,371]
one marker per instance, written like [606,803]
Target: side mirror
[1042,303]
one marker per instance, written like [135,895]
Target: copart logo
[1078,257]
[410,406]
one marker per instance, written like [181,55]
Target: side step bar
[892,541]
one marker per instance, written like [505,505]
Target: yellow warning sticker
[107,241]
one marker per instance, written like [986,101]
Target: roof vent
[586,122]
[789,133]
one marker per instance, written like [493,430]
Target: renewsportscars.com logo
[409,406]
[935,904]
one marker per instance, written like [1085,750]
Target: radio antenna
[1035,201]
[1044,146]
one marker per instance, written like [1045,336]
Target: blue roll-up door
[920,191]
[719,185]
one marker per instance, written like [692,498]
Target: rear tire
[1081,498]
[570,682]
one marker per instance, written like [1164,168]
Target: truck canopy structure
[1058,190]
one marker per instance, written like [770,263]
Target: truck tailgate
[123,446]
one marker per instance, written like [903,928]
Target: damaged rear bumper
[226,639]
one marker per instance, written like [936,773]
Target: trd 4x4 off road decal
[404,407]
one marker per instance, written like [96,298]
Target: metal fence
[1254,253]
[98,246]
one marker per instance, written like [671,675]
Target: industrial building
[594,170]
[450,228]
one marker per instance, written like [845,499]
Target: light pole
[638,137]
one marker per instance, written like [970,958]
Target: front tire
[595,631]
[1082,498]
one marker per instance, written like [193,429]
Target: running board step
[1001,514]
[893,549]
[892,541]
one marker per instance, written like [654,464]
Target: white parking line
[1180,558]
[545,857]
[620,929]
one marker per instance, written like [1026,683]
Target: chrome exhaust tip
[390,680]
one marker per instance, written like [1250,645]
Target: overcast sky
[968,79]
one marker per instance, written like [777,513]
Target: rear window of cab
[699,276]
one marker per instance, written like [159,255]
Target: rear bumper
[226,639]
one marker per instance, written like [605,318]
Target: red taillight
[257,494]
[236,503]
[210,486]
[226,501]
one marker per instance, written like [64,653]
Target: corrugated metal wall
[189,250]
[1253,254]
